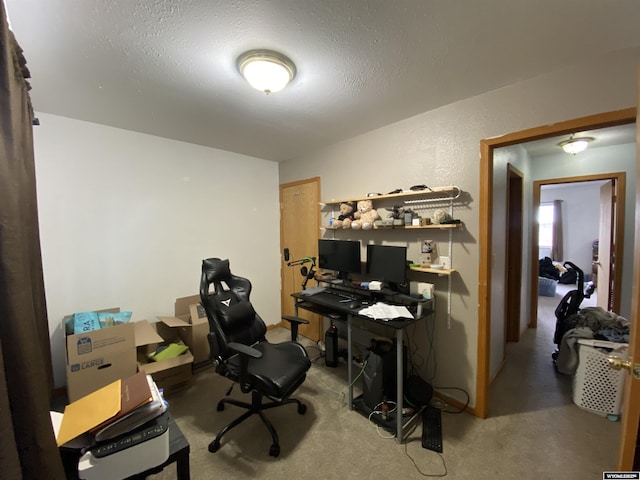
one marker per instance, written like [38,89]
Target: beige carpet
[534,432]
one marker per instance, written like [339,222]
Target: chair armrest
[295,322]
[244,350]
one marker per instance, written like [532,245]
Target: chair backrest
[225,298]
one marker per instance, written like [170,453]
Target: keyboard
[336,298]
[432,429]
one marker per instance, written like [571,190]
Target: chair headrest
[216,269]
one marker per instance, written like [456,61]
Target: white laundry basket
[597,387]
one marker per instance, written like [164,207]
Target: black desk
[325,305]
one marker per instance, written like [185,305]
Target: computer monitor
[341,256]
[387,264]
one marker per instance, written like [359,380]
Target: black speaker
[331,345]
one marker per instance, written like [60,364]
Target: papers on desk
[382,311]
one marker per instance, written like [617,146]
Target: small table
[179,450]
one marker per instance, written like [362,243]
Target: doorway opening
[593,208]
[487,147]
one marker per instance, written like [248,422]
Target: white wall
[441,147]
[126,219]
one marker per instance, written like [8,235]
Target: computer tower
[379,379]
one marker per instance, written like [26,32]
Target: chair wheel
[274,451]
[214,446]
[302,409]
[220,406]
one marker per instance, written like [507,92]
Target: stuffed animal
[399,211]
[365,215]
[440,215]
[346,216]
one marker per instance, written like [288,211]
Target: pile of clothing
[547,268]
[593,323]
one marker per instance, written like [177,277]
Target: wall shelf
[435,194]
[437,197]
[443,226]
[439,271]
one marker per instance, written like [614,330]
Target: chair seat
[278,372]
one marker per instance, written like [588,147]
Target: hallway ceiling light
[575,145]
[266,70]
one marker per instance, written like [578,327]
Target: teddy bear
[346,216]
[365,215]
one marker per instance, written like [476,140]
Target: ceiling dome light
[575,145]
[265,70]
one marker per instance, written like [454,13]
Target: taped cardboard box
[193,327]
[99,357]
[170,374]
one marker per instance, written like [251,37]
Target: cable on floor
[341,395]
[444,463]
[442,405]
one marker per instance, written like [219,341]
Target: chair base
[255,407]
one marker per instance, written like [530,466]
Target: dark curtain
[27,446]
[557,241]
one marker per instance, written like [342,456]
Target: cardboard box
[170,374]
[99,357]
[193,327]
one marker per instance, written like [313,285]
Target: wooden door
[513,266]
[605,262]
[628,458]
[299,232]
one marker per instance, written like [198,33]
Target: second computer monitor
[341,256]
[387,264]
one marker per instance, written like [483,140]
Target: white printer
[136,452]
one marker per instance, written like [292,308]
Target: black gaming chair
[240,351]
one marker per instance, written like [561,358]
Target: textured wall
[126,219]
[441,147]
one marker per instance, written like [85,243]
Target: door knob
[618,363]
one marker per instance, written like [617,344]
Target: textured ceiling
[167,67]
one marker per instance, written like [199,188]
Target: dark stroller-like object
[569,305]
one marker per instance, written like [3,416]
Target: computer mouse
[355,304]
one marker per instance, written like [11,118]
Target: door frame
[619,178]
[487,147]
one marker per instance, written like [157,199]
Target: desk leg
[399,385]
[182,467]
[349,363]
